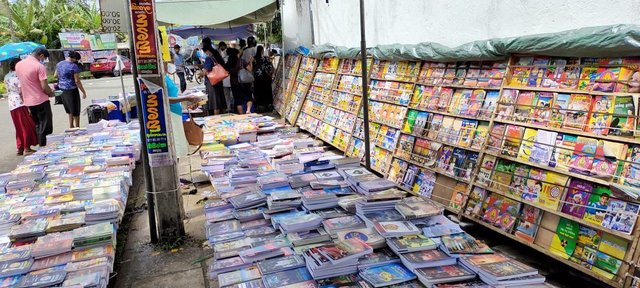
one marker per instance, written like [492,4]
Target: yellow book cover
[552,190]
[613,246]
[528,140]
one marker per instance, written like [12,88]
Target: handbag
[193,132]
[244,76]
[217,74]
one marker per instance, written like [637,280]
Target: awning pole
[365,94]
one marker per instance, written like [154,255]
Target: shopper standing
[25,128]
[68,73]
[241,91]
[250,51]
[226,83]
[178,60]
[36,92]
[263,72]
[215,92]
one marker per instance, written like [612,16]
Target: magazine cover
[476,199]
[386,275]
[577,112]
[553,188]
[528,223]
[601,114]
[559,111]
[565,239]
[512,140]
[480,136]
[623,123]
[597,205]
[542,111]
[528,141]
[577,197]
[489,104]
[524,106]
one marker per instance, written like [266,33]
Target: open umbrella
[12,50]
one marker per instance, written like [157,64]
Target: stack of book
[94,236]
[318,199]
[335,259]
[499,270]
[302,223]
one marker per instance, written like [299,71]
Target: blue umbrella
[13,50]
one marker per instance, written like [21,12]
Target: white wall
[454,22]
[296,22]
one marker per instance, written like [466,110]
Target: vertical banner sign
[155,126]
[144,37]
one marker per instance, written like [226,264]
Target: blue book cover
[287,277]
[387,275]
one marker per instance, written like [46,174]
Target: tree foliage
[41,20]
[270,32]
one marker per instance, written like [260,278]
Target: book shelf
[303,79]
[291,64]
[524,147]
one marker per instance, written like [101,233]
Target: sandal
[20,152]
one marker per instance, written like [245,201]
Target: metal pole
[125,99]
[148,180]
[365,94]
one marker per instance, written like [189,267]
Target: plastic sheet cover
[602,41]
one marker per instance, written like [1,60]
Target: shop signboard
[114,16]
[144,37]
[86,41]
[155,124]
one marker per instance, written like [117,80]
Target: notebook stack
[499,270]
[300,223]
[288,199]
[103,211]
[318,199]
[335,259]
[94,235]
[273,181]
[334,225]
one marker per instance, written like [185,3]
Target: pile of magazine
[62,206]
[330,223]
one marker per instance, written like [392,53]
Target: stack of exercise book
[62,205]
[364,233]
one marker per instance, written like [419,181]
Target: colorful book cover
[486,170]
[444,98]
[425,182]
[512,140]
[489,104]
[475,103]
[559,111]
[507,103]
[528,222]
[597,205]
[444,158]
[446,129]
[519,180]
[456,164]
[614,246]
[501,211]
[542,149]
[524,106]
[455,131]
[468,166]
[502,175]
[605,162]
[467,132]
[482,130]
[552,190]
[587,78]
[542,111]
[458,196]
[410,176]
[496,137]
[577,112]
[623,123]
[421,125]
[455,106]
[476,199]
[405,146]
[577,197]
[565,239]
[565,145]
[418,96]
[589,237]
[410,121]
[535,184]
[601,114]
[607,263]
[583,155]
[436,124]
[387,274]
[630,174]
[528,141]
[621,216]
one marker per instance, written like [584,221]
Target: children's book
[589,237]
[506,105]
[597,205]
[520,73]
[607,263]
[486,170]
[583,155]
[577,112]
[623,123]
[410,121]
[621,216]
[528,141]
[421,125]
[476,199]
[444,158]
[468,166]
[405,146]
[614,246]
[502,175]
[528,222]
[475,103]
[565,145]
[518,183]
[525,106]
[577,197]
[535,184]
[600,119]
[444,98]
[458,196]
[425,182]
[542,149]
[542,111]
[565,239]
[501,211]
[482,130]
[489,104]
[496,137]
[512,140]
[559,111]
[587,78]
[446,130]
[467,132]
[457,160]
[552,190]
[436,124]
[387,275]
[605,162]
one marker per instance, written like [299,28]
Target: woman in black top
[215,93]
[241,91]
[262,70]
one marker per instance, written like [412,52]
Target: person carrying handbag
[241,91]
[212,70]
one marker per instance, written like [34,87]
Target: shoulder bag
[217,74]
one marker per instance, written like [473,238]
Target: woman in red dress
[25,127]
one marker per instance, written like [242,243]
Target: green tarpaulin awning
[214,13]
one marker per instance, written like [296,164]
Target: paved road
[96,89]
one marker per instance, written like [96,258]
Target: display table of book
[288,213]
[543,150]
[60,208]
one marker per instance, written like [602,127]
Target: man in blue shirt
[178,60]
